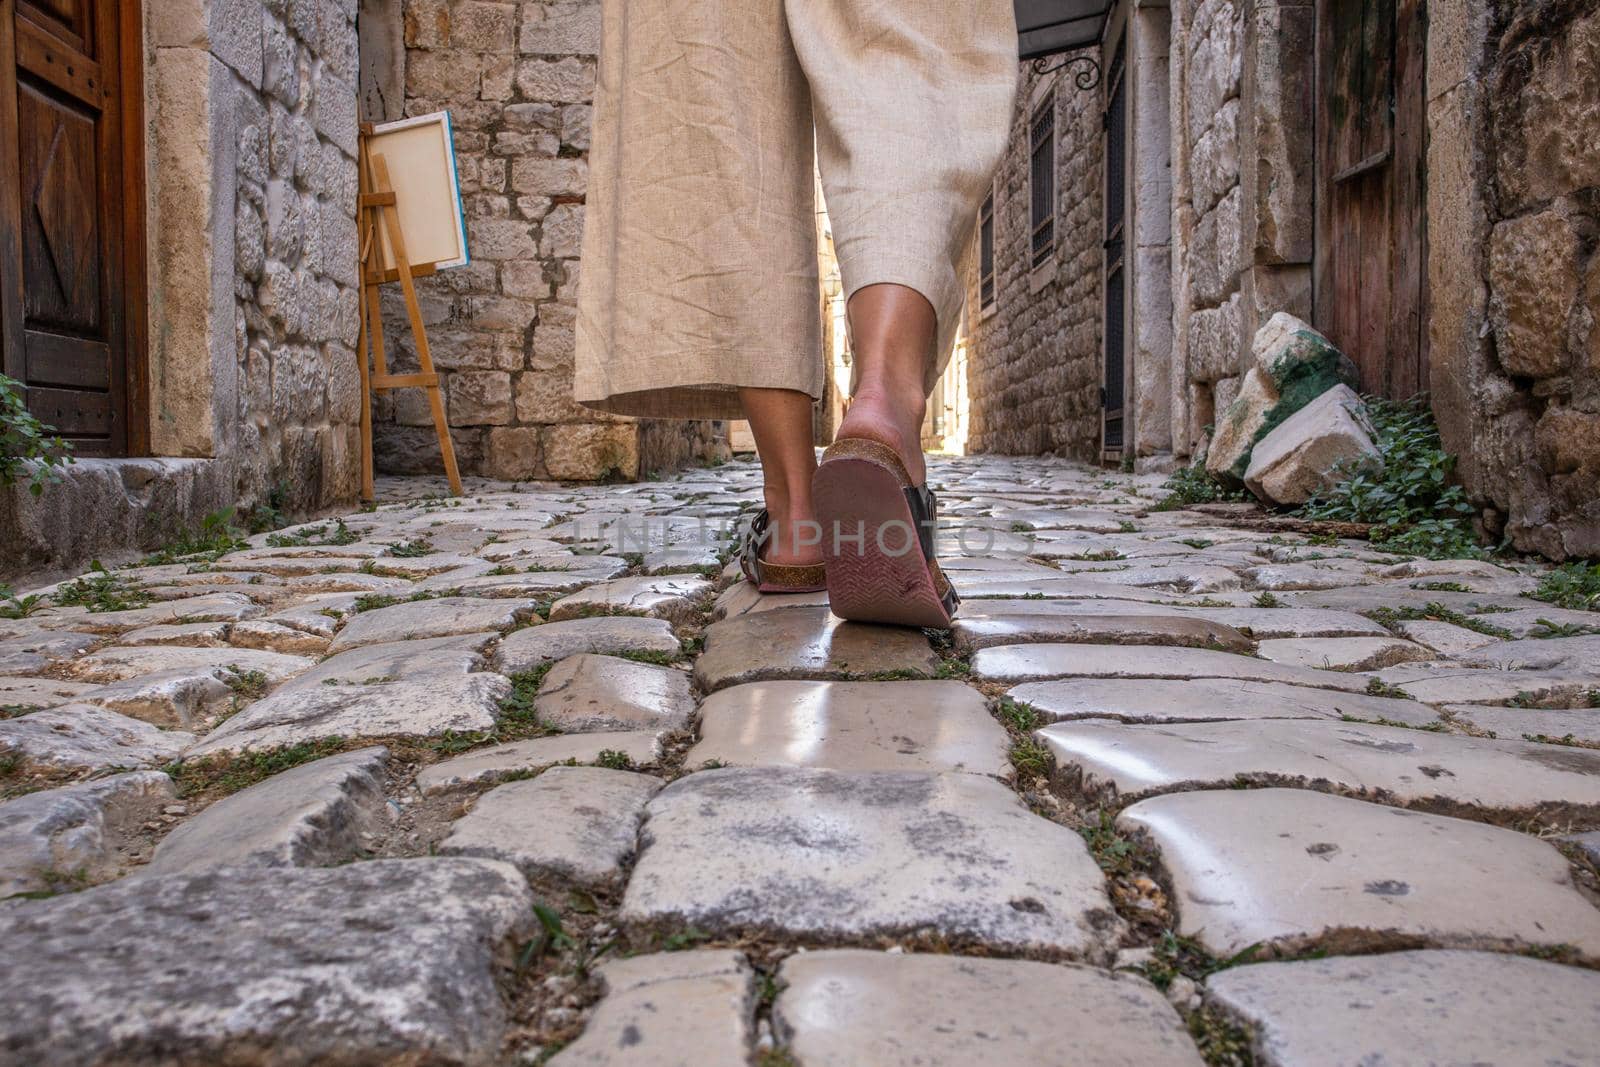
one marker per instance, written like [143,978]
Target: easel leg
[418,329]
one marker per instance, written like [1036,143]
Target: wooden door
[1371,239]
[1113,399]
[71,196]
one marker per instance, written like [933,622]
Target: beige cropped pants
[699,269]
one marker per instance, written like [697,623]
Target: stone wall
[1242,192]
[294,263]
[1514,274]
[1033,363]
[517,79]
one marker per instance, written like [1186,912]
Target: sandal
[776,577]
[878,538]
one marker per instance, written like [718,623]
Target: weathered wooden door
[71,186]
[1113,397]
[1371,239]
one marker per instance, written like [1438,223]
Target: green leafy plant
[1575,586]
[229,775]
[1268,600]
[1412,505]
[216,537]
[318,535]
[28,451]
[614,760]
[18,607]
[1195,485]
[411,549]
[1436,612]
[101,591]
[1546,628]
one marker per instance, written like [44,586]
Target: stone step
[574,826]
[808,643]
[1502,779]
[314,815]
[852,726]
[67,837]
[671,1009]
[806,853]
[1161,700]
[1027,663]
[843,1008]
[1301,869]
[392,961]
[1448,1006]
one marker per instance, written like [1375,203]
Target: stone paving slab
[1447,1006]
[488,765]
[422,705]
[1343,653]
[443,617]
[808,643]
[63,835]
[37,651]
[672,1009]
[392,961]
[1258,623]
[394,662]
[850,1007]
[276,637]
[603,635]
[21,692]
[585,693]
[196,634]
[181,698]
[852,726]
[1486,685]
[81,737]
[1158,700]
[206,607]
[1539,654]
[1445,638]
[827,854]
[570,825]
[998,628]
[132,661]
[741,598]
[1581,725]
[313,815]
[1263,866]
[1028,663]
[1411,767]
[670,597]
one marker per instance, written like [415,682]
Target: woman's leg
[780,421]
[892,334]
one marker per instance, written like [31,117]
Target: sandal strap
[804,577]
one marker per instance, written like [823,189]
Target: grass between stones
[213,777]
[101,591]
[1575,586]
[1391,618]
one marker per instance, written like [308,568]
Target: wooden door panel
[66,196]
[61,261]
[1369,248]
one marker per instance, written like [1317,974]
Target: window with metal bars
[1043,180]
[986,253]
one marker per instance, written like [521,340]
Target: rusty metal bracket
[1085,79]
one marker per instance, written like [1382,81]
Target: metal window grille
[1043,180]
[986,253]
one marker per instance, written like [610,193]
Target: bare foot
[895,421]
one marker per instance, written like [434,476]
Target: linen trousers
[699,268]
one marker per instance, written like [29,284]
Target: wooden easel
[376,209]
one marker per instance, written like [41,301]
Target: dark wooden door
[1371,239]
[71,189]
[1113,397]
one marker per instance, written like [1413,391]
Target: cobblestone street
[533,776]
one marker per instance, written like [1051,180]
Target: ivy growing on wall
[28,450]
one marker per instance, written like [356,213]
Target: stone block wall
[1033,375]
[1242,135]
[518,79]
[295,312]
[1514,271]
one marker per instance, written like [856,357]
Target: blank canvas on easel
[422,168]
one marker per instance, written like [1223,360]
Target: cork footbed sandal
[775,577]
[878,534]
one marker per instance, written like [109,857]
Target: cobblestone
[1135,730]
